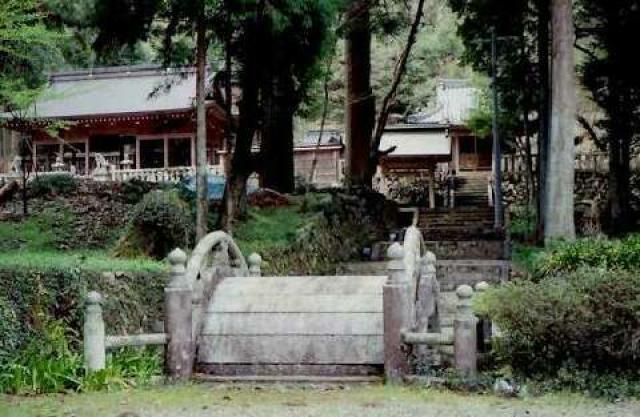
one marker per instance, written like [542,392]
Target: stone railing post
[255,261]
[484,327]
[397,308]
[178,310]
[93,334]
[465,333]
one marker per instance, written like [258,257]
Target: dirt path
[273,401]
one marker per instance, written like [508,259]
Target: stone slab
[293,323]
[292,349]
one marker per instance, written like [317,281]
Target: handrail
[205,266]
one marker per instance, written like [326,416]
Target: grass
[270,227]
[276,401]
[35,243]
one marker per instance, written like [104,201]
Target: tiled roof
[119,90]
[454,101]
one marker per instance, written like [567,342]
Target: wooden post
[178,308]
[255,261]
[465,335]
[432,193]
[93,334]
[396,316]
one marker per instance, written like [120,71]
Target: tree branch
[398,74]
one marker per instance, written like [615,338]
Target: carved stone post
[178,308]
[93,334]
[397,311]
[484,328]
[464,333]
[255,262]
[428,290]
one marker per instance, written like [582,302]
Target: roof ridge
[117,72]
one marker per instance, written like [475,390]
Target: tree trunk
[618,197]
[277,170]
[544,111]
[360,102]
[242,161]
[560,176]
[202,201]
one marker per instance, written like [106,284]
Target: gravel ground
[275,401]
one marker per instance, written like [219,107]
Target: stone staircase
[472,189]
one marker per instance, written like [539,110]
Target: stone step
[291,379]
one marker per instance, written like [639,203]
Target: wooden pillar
[396,302]
[179,313]
[166,151]
[138,153]
[432,192]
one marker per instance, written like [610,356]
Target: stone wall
[590,187]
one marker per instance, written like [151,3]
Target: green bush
[9,328]
[50,362]
[588,321]
[160,223]
[134,190]
[53,184]
[46,364]
[36,291]
[522,222]
[564,257]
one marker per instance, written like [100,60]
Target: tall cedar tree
[609,73]
[560,175]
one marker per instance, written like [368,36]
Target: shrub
[50,363]
[38,291]
[53,184]
[522,222]
[46,364]
[588,320]
[564,257]
[160,223]
[134,190]
[9,328]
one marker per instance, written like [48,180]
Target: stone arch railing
[421,275]
[216,256]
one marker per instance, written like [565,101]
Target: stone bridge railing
[184,297]
[410,310]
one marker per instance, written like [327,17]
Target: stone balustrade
[407,314]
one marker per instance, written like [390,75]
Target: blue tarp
[215,185]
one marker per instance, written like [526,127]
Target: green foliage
[126,367]
[160,223]
[50,363]
[522,222]
[269,228]
[37,289]
[518,80]
[134,190]
[27,48]
[9,328]
[46,364]
[314,237]
[53,185]
[585,321]
[44,232]
[564,257]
